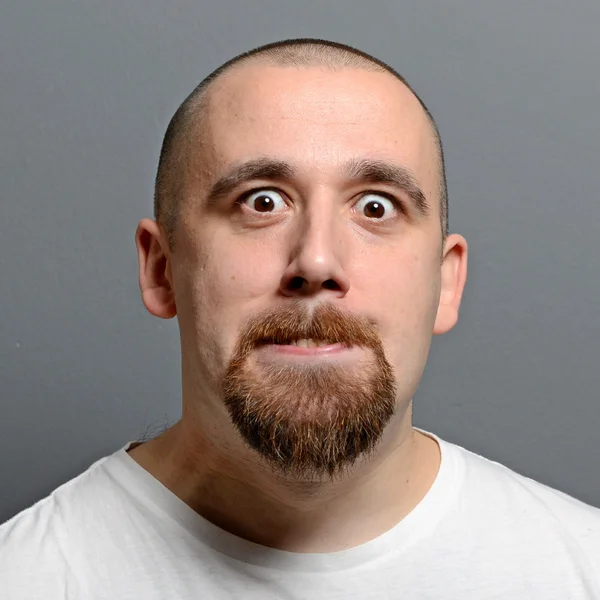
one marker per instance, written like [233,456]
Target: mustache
[289,323]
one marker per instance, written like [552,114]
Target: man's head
[299,200]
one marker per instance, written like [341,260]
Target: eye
[376,206]
[264,201]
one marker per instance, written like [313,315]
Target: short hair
[304,52]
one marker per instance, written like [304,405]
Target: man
[301,240]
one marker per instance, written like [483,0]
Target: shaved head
[285,54]
[300,240]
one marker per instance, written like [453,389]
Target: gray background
[87,89]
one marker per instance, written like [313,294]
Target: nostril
[330,284]
[300,285]
[296,283]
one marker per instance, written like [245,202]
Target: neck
[225,483]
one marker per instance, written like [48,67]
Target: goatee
[315,418]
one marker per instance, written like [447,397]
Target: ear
[155,276]
[454,277]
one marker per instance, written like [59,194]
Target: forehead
[316,118]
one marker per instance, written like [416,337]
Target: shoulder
[60,506]
[43,539]
[495,490]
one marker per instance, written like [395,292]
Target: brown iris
[374,210]
[263,203]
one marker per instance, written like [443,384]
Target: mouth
[306,343]
[303,347]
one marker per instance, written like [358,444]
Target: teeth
[309,343]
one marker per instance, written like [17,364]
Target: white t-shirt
[482,531]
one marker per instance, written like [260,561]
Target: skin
[229,264]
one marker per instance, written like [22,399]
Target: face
[308,271]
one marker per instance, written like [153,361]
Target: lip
[287,349]
[331,354]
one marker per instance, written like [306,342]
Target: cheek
[224,283]
[405,282]
[407,296]
[236,272]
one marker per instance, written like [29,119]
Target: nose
[316,262]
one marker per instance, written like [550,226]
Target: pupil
[375,210]
[263,204]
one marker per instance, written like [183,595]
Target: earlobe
[453,279]
[155,270]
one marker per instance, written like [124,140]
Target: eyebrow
[260,168]
[378,171]
[367,171]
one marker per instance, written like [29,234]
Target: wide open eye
[265,201]
[376,206]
